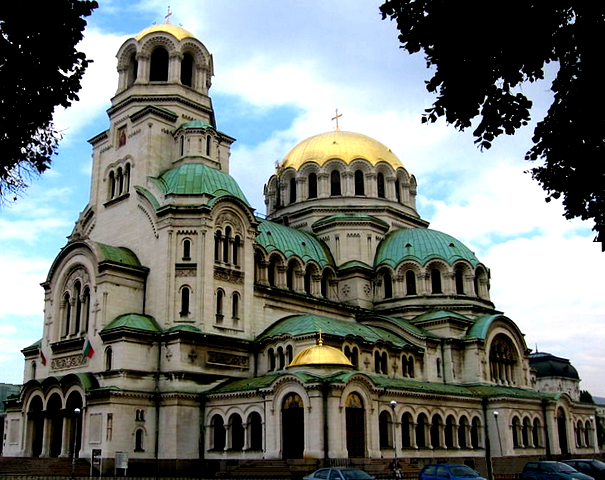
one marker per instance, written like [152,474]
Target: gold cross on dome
[168,15]
[336,118]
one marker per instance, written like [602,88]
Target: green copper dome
[198,179]
[292,242]
[421,245]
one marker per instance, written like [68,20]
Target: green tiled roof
[183,328]
[198,179]
[421,245]
[439,314]
[292,242]
[405,325]
[133,321]
[117,255]
[306,324]
[481,326]
[195,124]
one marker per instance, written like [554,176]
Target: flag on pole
[88,351]
[42,357]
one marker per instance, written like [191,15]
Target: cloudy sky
[281,70]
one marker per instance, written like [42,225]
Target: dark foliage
[586,397]
[482,53]
[40,69]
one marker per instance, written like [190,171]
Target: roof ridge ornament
[168,15]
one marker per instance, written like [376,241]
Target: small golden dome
[177,32]
[319,355]
[346,146]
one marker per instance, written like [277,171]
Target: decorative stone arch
[276,270]
[402,186]
[312,279]
[334,185]
[385,181]
[438,277]
[476,432]
[385,429]
[230,234]
[411,276]
[75,304]
[139,435]
[504,358]
[329,283]
[481,282]
[254,430]
[295,275]
[289,180]
[385,282]
[309,179]
[216,424]
[463,278]
[353,352]
[361,172]
[185,298]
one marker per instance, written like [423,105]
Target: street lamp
[498,430]
[73,450]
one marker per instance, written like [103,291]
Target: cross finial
[336,118]
[168,15]
[320,341]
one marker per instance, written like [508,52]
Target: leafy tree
[40,69]
[586,397]
[480,54]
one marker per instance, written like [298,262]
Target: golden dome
[320,354]
[177,32]
[346,146]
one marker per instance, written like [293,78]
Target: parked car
[589,466]
[339,474]
[552,471]
[451,471]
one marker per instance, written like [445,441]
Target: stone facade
[195,307]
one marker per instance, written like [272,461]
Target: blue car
[549,470]
[449,471]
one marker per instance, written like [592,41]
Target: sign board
[122,460]
[96,456]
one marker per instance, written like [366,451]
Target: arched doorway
[293,427]
[562,431]
[55,414]
[35,418]
[74,415]
[355,420]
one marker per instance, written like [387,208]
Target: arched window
[218,431]
[459,281]
[112,185]
[476,433]
[308,278]
[502,360]
[66,314]
[388,285]
[86,308]
[237,432]
[33,370]
[312,185]
[235,306]
[138,442]
[289,355]
[398,190]
[385,430]
[335,183]
[436,281]
[218,241]
[406,430]
[516,429]
[208,145]
[421,425]
[290,276]
[255,432]
[281,358]
[359,183]
[435,431]
[236,248]
[537,433]
[185,295]
[462,432]
[186,250]
[293,190]
[159,65]
[219,305]
[187,70]
[271,355]
[108,359]
[353,355]
[133,70]
[450,431]
[271,272]
[380,185]
[579,433]
[410,282]
[226,242]
[525,431]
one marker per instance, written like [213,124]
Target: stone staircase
[28,466]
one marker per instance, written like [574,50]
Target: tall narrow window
[388,286]
[459,281]
[186,250]
[78,319]
[208,145]
[359,185]
[227,240]
[108,358]
[219,305]
[185,293]
[187,70]
[335,183]
[380,184]
[235,306]
[138,447]
[133,69]
[312,185]
[159,65]
[410,282]
[436,280]
[218,242]
[218,431]
[398,191]
[86,309]
[293,190]
[66,314]
[236,247]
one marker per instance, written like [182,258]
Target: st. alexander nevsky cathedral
[186,333]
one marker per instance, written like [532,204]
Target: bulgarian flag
[88,351]
[42,357]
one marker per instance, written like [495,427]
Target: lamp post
[393,404]
[73,450]
[498,430]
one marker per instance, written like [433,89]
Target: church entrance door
[293,427]
[355,419]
